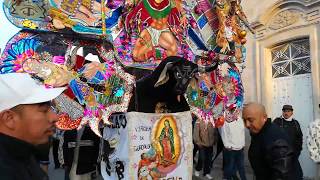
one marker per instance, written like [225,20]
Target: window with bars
[291,58]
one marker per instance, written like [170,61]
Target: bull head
[182,71]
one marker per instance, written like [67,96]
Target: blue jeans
[233,161]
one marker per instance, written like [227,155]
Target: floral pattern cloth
[313,140]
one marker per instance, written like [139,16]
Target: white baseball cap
[20,88]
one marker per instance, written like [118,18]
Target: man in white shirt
[233,138]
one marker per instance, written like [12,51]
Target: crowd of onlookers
[274,149]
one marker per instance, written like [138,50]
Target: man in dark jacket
[26,120]
[293,130]
[270,153]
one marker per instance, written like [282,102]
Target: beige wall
[253,8]
[301,20]
[260,13]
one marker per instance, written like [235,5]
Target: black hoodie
[17,161]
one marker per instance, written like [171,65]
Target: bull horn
[71,56]
[203,69]
[164,76]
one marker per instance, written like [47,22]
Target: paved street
[55,174]
[217,170]
[58,174]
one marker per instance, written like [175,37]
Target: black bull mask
[180,71]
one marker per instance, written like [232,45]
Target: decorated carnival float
[135,71]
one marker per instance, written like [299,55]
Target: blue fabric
[196,39]
[233,161]
[113,19]
[202,21]
[77,91]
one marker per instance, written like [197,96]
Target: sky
[7,30]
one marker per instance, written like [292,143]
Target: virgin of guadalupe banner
[160,146]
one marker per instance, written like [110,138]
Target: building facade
[283,65]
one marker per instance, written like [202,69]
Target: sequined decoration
[128,87]
[110,93]
[94,98]
[69,106]
[66,123]
[218,97]
[119,107]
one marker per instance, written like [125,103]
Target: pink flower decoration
[58,59]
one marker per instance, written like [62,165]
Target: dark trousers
[55,148]
[298,169]
[233,161]
[204,160]
[195,149]
[67,172]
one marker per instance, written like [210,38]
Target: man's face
[287,113]
[35,123]
[253,119]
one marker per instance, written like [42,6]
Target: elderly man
[292,127]
[26,119]
[270,153]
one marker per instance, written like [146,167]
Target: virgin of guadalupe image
[166,140]
[163,156]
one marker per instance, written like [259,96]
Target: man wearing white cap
[26,119]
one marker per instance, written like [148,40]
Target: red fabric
[79,62]
[158,6]
[140,14]
[144,162]
[69,93]
[167,155]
